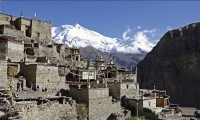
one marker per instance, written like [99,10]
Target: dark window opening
[76,58]
[27,32]
[38,35]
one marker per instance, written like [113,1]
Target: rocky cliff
[174,65]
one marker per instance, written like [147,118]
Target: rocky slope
[174,65]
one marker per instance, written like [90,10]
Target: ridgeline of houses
[35,72]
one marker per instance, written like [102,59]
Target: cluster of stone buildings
[33,69]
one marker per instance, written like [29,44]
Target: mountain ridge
[80,37]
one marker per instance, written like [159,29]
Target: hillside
[174,65]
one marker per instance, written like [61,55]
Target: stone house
[138,103]
[81,75]
[11,50]
[33,28]
[111,66]
[44,76]
[100,64]
[87,74]
[96,96]
[75,54]
[162,99]
[119,89]
[9,30]
[8,72]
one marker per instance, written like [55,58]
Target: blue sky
[110,18]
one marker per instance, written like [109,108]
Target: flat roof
[188,111]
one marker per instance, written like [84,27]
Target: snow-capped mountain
[80,37]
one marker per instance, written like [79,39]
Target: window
[127,86]
[27,31]
[149,103]
[76,58]
[38,35]
[90,73]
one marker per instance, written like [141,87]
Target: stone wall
[3,74]
[55,111]
[5,19]
[102,108]
[126,76]
[132,105]
[80,95]
[12,50]
[41,28]
[119,89]
[23,24]
[129,89]
[43,75]
[114,90]
[101,105]
[149,103]
[9,30]
[3,50]
[96,93]
[48,77]
[15,51]
[63,70]
[144,102]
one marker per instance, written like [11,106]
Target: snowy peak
[80,37]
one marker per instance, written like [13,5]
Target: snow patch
[171,34]
[180,30]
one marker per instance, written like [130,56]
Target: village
[41,79]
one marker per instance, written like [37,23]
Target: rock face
[174,65]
